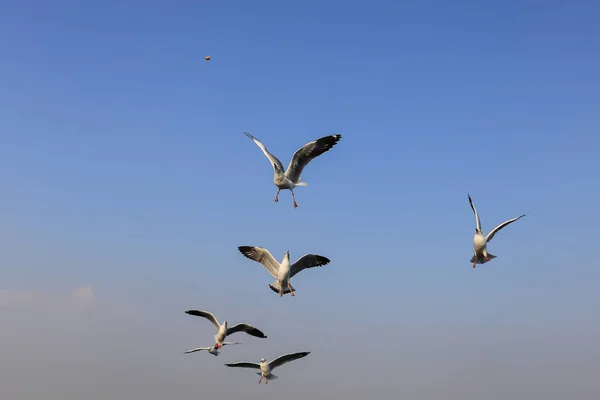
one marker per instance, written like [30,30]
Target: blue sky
[124,170]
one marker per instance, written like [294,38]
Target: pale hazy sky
[127,186]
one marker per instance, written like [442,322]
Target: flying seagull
[266,368]
[480,242]
[290,178]
[212,350]
[282,272]
[223,331]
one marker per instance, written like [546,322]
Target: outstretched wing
[204,314]
[493,232]
[279,361]
[475,212]
[231,343]
[307,153]
[198,349]
[261,255]
[308,261]
[277,165]
[249,329]
[244,364]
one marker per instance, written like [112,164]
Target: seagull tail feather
[481,260]
[275,286]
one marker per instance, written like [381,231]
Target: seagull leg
[291,291]
[486,258]
[294,198]
[280,292]
[266,380]
[277,196]
[260,380]
[474,263]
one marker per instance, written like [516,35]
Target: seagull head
[287,254]
[262,360]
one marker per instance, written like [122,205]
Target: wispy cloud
[81,300]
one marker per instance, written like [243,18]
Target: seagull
[223,331]
[290,178]
[480,242]
[266,368]
[212,350]
[282,272]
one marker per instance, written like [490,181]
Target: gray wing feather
[197,349]
[308,261]
[279,361]
[204,314]
[262,256]
[244,364]
[307,153]
[249,329]
[275,163]
[475,212]
[493,232]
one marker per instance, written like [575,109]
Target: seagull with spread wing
[212,349]
[290,178]
[223,331]
[282,272]
[266,367]
[481,255]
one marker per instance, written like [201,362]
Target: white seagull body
[481,255]
[223,331]
[282,272]
[212,350]
[290,178]
[266,367]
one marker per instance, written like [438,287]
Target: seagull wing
[249,329]
[277,165]
[261,255]
[475,212]
[279,361]
[205,314]
[244,364]
[493,232]
[307,153]
[308,261]
[198,349]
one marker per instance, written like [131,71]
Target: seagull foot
[486,259]
[295,205]
[276,199]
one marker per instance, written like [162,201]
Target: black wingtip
[244,249]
